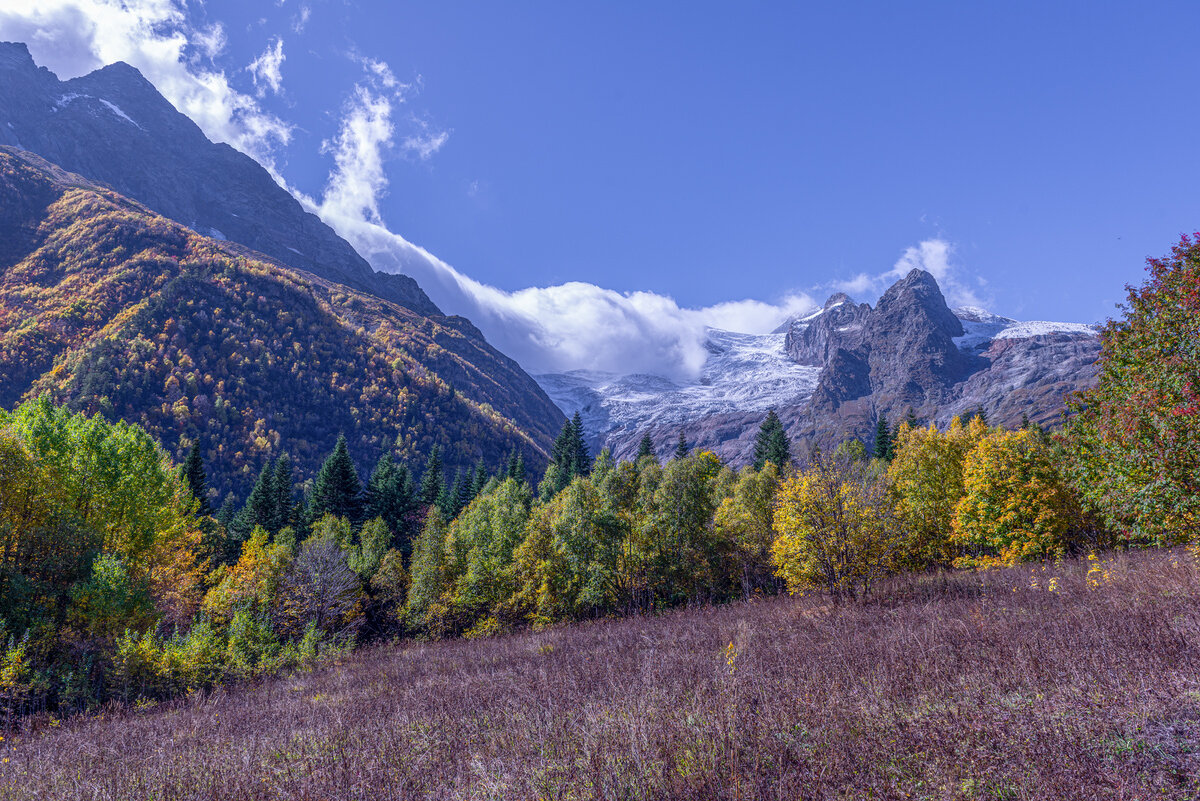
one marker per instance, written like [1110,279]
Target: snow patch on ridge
[742,373]
[982,328]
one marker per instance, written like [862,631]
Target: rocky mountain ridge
[831,374]
[113,127]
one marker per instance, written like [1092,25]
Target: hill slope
[109,307]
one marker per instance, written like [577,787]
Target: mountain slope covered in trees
[108,307]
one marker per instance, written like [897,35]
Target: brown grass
[951,687]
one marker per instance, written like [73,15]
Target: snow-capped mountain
[743,373]
[830,374]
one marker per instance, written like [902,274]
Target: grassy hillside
[109,307]
[1065,682]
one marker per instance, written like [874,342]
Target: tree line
[118,581]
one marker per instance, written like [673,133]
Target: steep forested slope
[107,306]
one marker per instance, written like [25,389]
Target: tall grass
[996,685]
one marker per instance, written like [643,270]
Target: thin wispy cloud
[267,69]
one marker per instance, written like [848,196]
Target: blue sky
[717,152]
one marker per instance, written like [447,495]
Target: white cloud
[301,19]
[266,70]
[73,37]
[932,255]
[546,329]
[425,143]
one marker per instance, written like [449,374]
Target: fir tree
[682,448]
[481,479]
[337,489]
[392,498]
[462,490]
[645,448]
[883,440]
[197,480]
[432,480]
[282,492]
[1025,420]
[517,473]
[446,498]
[580,460]
[910,417]
[772,443]
[259,510]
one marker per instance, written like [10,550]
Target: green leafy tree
[1135,436]
[771,444]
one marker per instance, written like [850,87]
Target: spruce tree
[771,444]
[518,469]
[682,448]
[883,440]
[1024,420]
[337,489]
[432,480]
[645,448]
[197,480]
[258,510]
[910,417]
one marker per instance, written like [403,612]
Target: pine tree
[645,448]
[197,480]
[682,448]
[883,440]
[772,443]
[337,489]
[432,480]
[282,492]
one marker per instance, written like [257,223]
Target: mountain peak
[15,55]
[837,299]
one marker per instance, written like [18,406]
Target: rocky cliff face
[112,126]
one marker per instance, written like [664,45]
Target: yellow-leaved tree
[927,476]
[1016,506]
[835,527]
